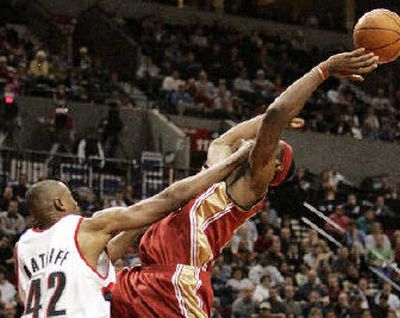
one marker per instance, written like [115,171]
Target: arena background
[89,96]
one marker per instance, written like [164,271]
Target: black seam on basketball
[383,46]
[380,29]
[392,18]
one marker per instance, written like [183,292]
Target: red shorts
[161,291]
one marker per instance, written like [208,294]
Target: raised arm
[348,65]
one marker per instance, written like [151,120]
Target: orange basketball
[378,31]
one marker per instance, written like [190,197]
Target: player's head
[285,166]
[48,201]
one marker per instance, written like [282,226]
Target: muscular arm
[281,111]
[96,232]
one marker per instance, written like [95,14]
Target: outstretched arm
[148,211]
[290,103]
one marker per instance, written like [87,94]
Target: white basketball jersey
[54,280]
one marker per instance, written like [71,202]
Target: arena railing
[104,176]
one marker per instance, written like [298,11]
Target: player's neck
[48,221]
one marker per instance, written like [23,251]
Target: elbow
[277,113]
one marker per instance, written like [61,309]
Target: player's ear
[58,204]
[278,166]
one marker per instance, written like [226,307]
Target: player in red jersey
[177,253]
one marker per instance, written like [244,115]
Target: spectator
[314,305]
[20,189]
[380,255]
[222,104]
[353,235]
[319,124]
[118,200]
[182,100]
[311,285]
[62,127]
[244,307]
[343,308]
[11,222]
[171,83]
[392,300]
[261,292]
[364,223]
[238,282]
[381,209]
[376,231]
[275,256]
[341,263]
[244,238]
[7,290]
[8,195]
[205,90]
[6,254]
[129,195]
[39,67]
[291,306]
[277,307]
[351,207]
[328,204]
[339,218]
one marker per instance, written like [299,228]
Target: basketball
[378,31]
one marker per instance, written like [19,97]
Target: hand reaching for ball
[351,65]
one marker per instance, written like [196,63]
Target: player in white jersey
[63,263]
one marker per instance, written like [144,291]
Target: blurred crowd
[218,72]
[275,266]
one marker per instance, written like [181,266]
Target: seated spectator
[277,306]
[89,204]
[243,236]
[319,124]
[21,187]
[171,83]
[341,262]
[118,200]
[340,127]
[8,291]
[392,299]
[310,258]
[181,99]
[371,124]
[243,86]
[11,222]
[147,69]
[376,231]
[244,306]
[129,195]
[339,218]
[314,307]
[5,72]
[205,90]
[380,255]
[262,85]
[311,285]
[8,195]
[343,308]
[258,270]
[380,101]
[354,235]
[261,292]
[275,256]
[222,101]
[292,307]
[381,209]
[351,206]
[328,204]
[6,254]
[39,67]
[190,67]
[364,223]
